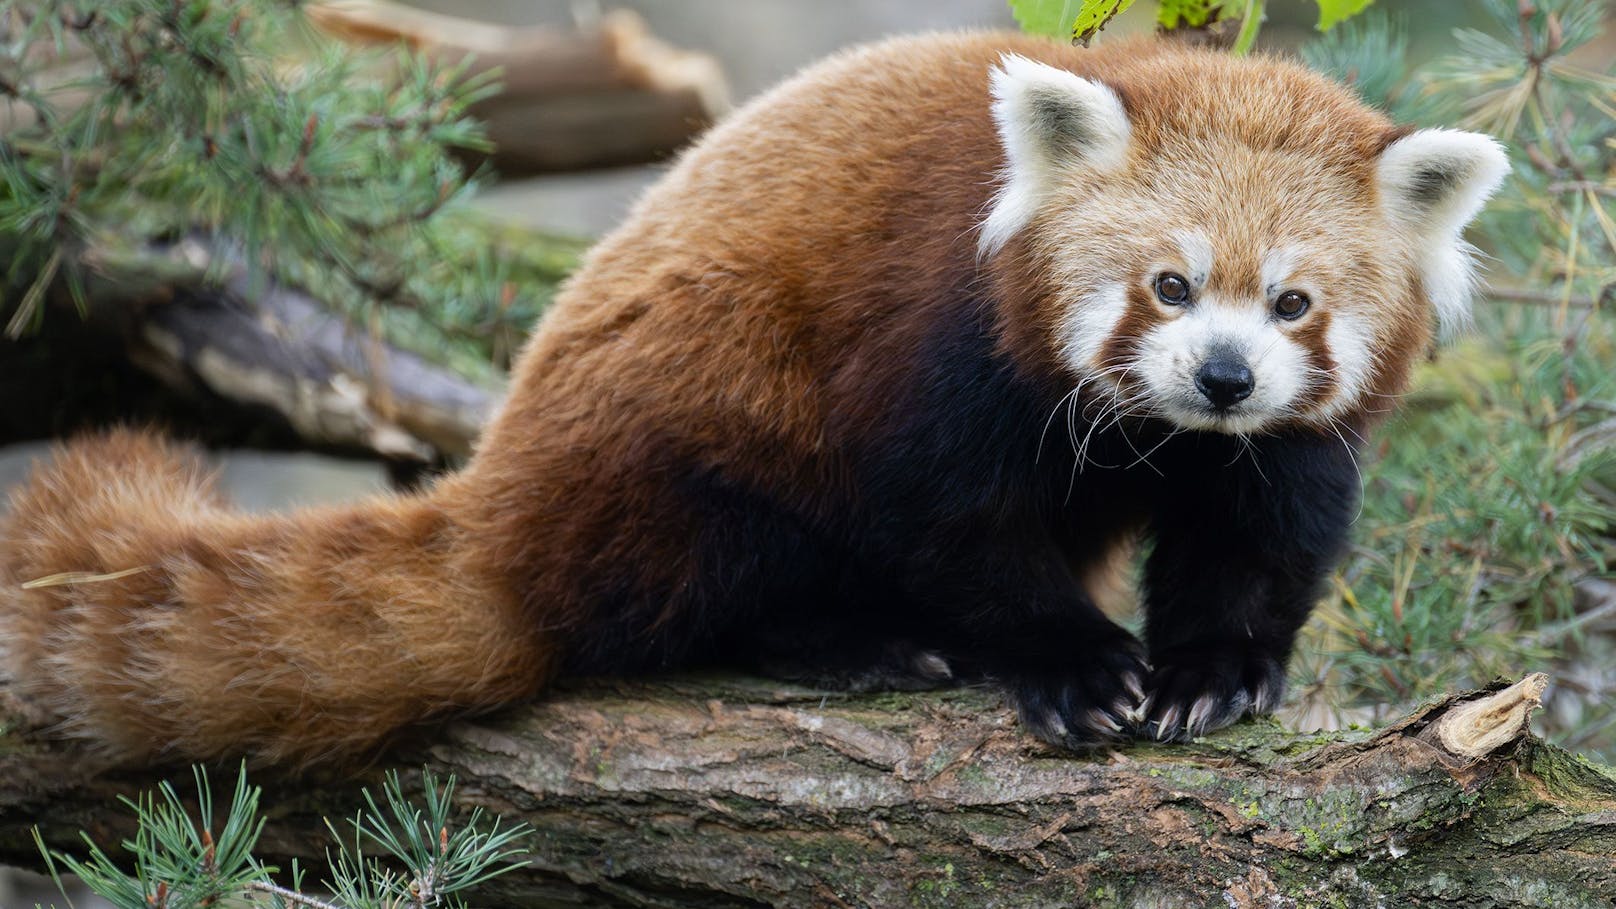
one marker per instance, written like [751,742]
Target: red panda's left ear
[1434,181]
[1051,123]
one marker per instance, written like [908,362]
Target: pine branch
[192,125]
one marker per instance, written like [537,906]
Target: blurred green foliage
[1081,20]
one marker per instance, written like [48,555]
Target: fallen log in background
[336,383]
[611,93]
[231,342]
[715,791]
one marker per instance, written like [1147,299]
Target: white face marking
[1172,353]
[1197,252]
[1089,324]
[1278,267]
[1287,382]
[1351,338]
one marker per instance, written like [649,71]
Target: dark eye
[1291,304]
[1172,289]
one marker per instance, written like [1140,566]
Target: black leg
[1013,612]
[1243,541]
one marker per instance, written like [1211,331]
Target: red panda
[858,393]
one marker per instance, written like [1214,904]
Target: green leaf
[1094,15]
[1192,13]
[1051,18]
[1075,19]
[1334,12]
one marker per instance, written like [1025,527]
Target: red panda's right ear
[1050,122]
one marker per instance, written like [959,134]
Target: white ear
[1050,121]
[1434,181]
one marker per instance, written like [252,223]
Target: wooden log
[336,384]
[717,791]
[199,326]
[609,94]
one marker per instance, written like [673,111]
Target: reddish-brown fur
[292,638]
[749,318]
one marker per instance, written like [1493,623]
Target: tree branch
[291,897]
[196,324]
[735,792]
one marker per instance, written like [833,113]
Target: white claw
[1264,698]
[1134,685]
[1168,725]
[1055,725]
[1100,720]
[1125,710]
[932,666]
[1201,714]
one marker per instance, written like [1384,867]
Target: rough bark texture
[726,792]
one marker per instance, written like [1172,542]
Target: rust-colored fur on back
[190,629]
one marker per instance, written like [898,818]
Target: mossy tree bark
[724,792]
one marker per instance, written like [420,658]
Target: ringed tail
[151,617]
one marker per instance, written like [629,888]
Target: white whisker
[1040,453]
[1248,448]
[1353,457]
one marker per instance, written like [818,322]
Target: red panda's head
[1233,246]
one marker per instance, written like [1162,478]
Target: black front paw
[1193,692]
[1091,698]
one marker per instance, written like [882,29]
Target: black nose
[1225,380]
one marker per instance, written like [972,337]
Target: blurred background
[760,42]
[1484,545]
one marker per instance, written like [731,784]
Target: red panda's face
[1221,286]
[1217,301]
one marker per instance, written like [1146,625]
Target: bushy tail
[153,619]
